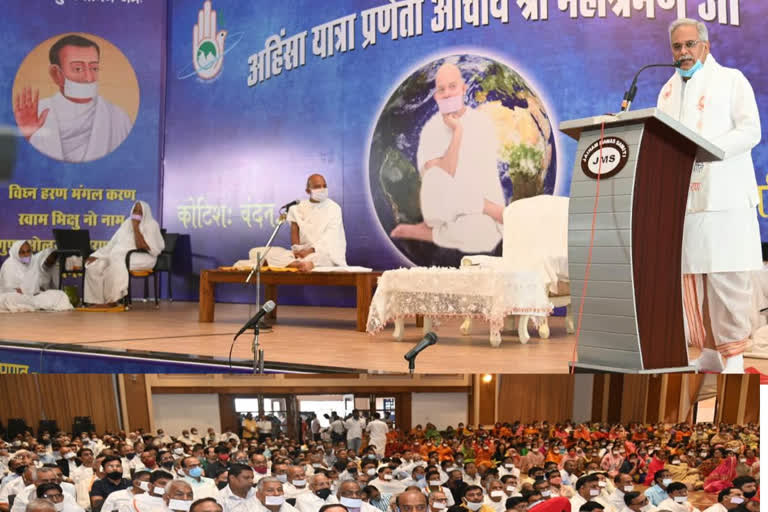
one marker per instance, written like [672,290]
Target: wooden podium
[633,312]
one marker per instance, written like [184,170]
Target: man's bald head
[40,505]
[316,181]
[449,82]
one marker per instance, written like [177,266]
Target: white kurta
[35,280]
[106,279]
[321,227]
[721,230]
[378,432]
[76,132]
[453,205]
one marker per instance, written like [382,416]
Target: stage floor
[303,336]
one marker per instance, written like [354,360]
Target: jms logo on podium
[614,156]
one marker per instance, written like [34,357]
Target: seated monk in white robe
[317,234]
[106,276]
[462,201]
[28,282]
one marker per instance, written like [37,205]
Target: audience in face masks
[507,467]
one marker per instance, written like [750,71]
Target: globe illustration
[206,55]
[526,159]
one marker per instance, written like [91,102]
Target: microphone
[629,96]
[254,321]
[288,206]
[429,339]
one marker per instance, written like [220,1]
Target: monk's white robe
[453,205]
[80,132]
[106,279]
[321,227]
[36,281]
[721,238]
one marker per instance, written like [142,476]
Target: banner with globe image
[348,89]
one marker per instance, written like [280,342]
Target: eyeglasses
[688,44]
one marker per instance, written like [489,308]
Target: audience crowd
[363,464]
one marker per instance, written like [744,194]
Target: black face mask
[115,475]
[352,471]
[130,456]
[323,493]
[167,465]
[20,470]
[221,485]
[749,495]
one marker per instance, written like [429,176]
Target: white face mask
[158,490]
[474,506]
[666,481]
[80,91]
[274,500]
[59,507]
[546,494]
[178,451]
[511,488]
[737,500]
[438,505]
[299,483]
[387,477]
[282,478]
[136,216]
[182,505]
[499,494]
[450,104]
[319,194]
[594,492]
[371,472]
[434,483]
[681,499]
[629,488]
[602,484]
[351,502]
[144,486]
[70,455]
[647,508]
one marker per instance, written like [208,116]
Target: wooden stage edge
[308,336]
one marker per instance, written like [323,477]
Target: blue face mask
[688,73]
[195,472]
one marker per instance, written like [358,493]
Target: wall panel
[535,397]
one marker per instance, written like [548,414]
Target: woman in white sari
[28,282]
[106,276]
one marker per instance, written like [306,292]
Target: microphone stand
[629,96]
[258,353]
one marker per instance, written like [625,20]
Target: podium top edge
[575,127]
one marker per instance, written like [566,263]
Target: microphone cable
[589,253]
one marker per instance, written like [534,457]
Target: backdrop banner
[262,94]
[83,87]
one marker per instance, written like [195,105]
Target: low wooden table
[363,282]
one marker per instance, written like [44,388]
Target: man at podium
[721,238]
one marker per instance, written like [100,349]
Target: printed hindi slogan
[402,19]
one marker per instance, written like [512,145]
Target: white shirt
[321,227]
[377,430]
[387,486]
[291,491]
[29,493]
[231,502]
[205,488]
[471,480]
[617,499]
[576,502]
[259,506]
[337,426]
[354,428]
[671,505]
[12,488]
[264,426]
[717,507]
[315,426]
[501,506]
[144,503]
[311,502]
[118,499]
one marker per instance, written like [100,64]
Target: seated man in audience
[681,471]
[178,496]
[113,481]
[28,282]
[473,500]
[637,502]
[62,502]
[317,234]
[297,482]
[106,276]
[727,500]
[41,505]
[495,497]
[320,494]
[269,496]
[587,489]
[116,500]
[678,499]
[42,476]
[192,472]
[658,492]
[239,488]
[624,484]
[16,486]
[152,500]
[350,494]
